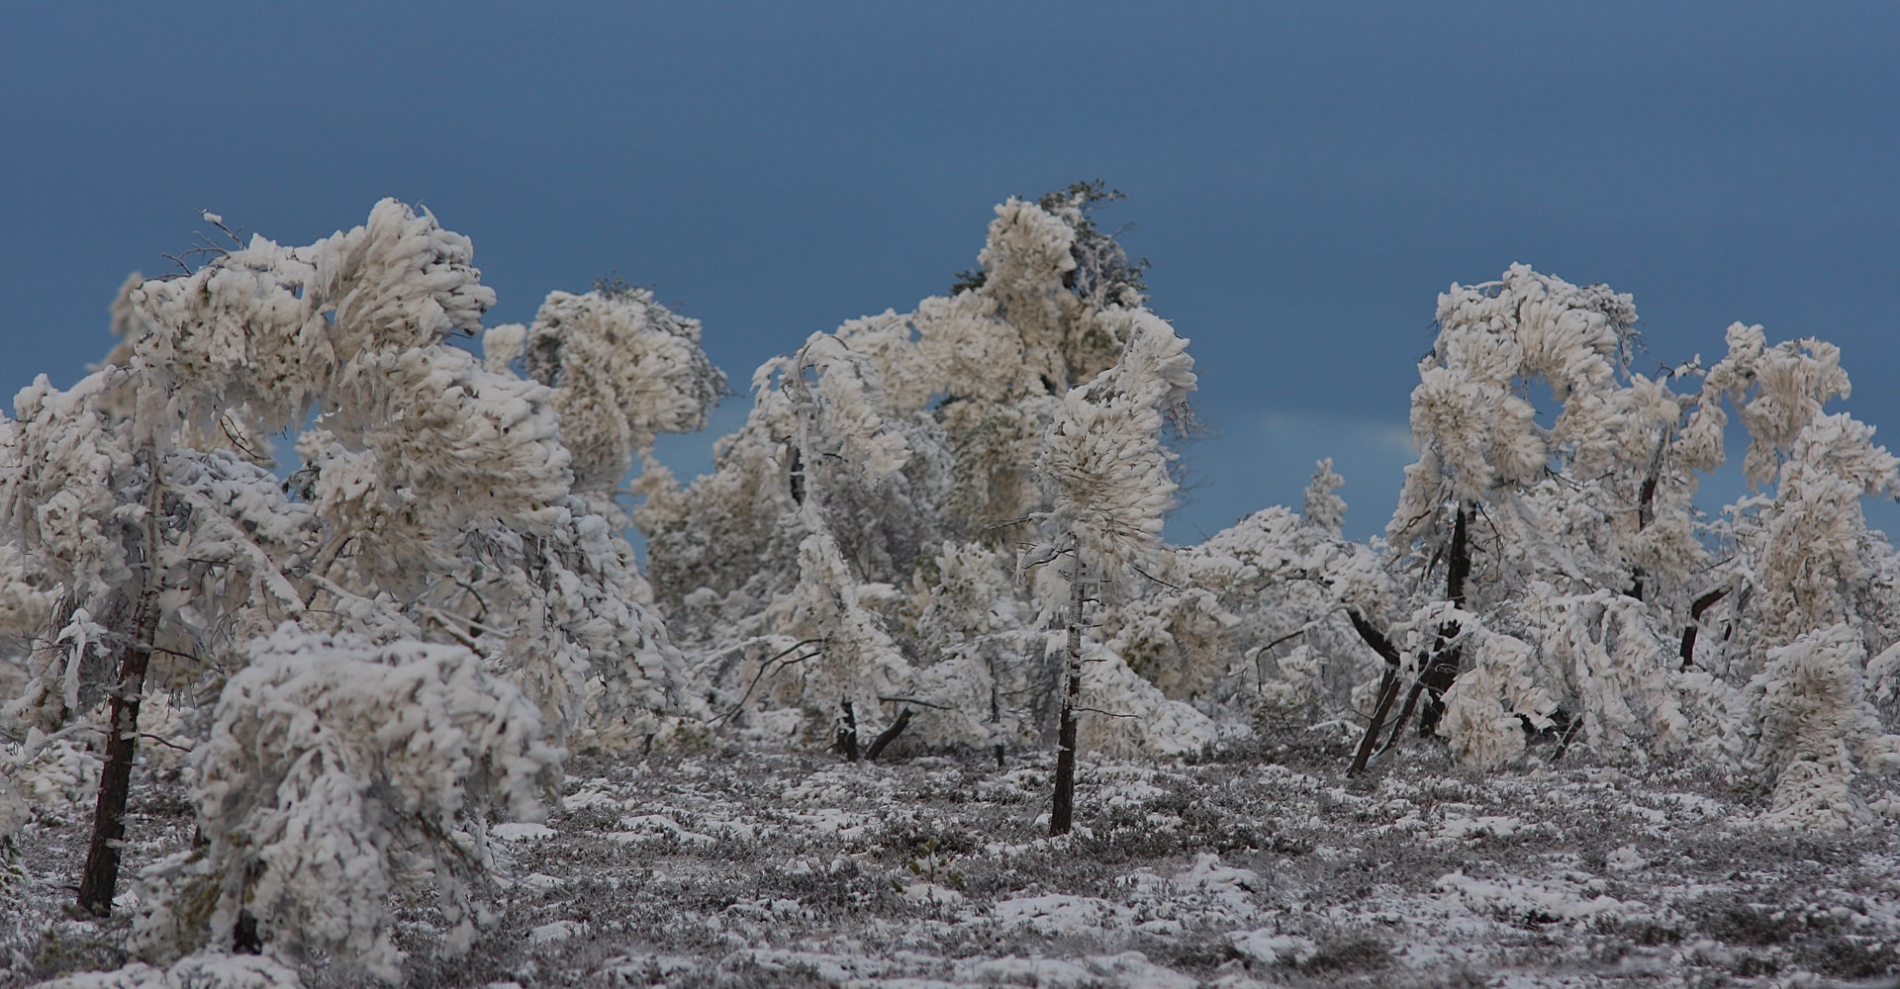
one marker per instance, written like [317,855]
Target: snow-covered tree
[1323,507]
[1808,592]
[1818,729]
[1518,518]
[151,552]
[1254,619]
[315,793]
[1810,559]
[861,508]
[1107,471]
[435,501]
[1571,553]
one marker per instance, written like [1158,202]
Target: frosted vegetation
[328,659]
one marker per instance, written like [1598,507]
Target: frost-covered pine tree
[1107,471]
[853,540]
[1254,620]
[1258,620]
[315,795]
[435,502]
[1502,515]
[1808,592]
[1571,551]
[1323,507]
[157,557]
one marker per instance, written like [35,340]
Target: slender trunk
[1458,568]
[1570,733]
[1388,687]
[996,707]
[1437,672]
[887,736]
[1432,675]
[1646,510]
[100,880]
[1062,812]
[848,734]
[1702,604]
[1442,671]
[1388,692]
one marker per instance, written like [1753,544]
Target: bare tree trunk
[1439,674]
[1646,510]
[1570,733]
[887,736]
[100,880]
[1062,812]
[1702,604]
[996,705]
[1388,688]
[848,733]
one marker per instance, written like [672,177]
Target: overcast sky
[1305,178]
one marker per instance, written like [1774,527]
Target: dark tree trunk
[1442,671]
[996,707]
[1570,734]
[1437,677]
[1388,688]
[1062,811]
[99,882]
[1702,604]
[1437,673]
[887,736]
[1458,567]
[848,733]
[1646,510]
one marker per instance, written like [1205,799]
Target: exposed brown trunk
[1438,677]
[1458,568]
[1388,692]
[1702,604]
[1388,688]
[996,707]
[1570,734]
[1439,674]
[1435,676]
[1062,811]
[1646,510]
[848,733]
[887,736]
[1374,638]
[100,880]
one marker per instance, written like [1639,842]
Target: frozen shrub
[339,772]
[1818,730]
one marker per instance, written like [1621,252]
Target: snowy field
[1261,865]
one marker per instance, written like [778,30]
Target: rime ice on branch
[854,540]
[434,504]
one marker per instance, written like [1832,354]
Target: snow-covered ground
[1261,865]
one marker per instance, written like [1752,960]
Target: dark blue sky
[1305,178]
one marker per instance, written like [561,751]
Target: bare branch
[767,665]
